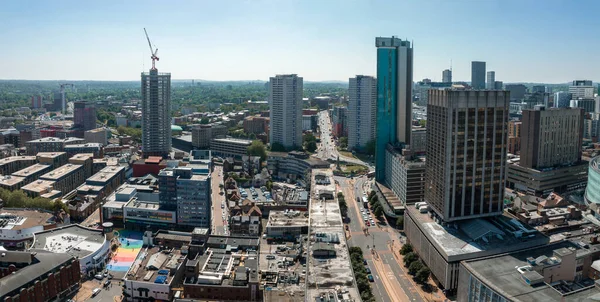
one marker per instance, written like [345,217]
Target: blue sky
[536,41]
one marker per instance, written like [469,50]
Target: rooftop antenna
[450,64]
[153,57]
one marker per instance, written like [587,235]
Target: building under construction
[156,113]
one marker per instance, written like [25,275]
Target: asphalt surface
[380,237]
[327,149]
[217,221]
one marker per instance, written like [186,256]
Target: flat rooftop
[60,172]
[232,241]
[50,154]
[11,159]
[19,219]
[287,218]
[86,145]
[81,156]
[232,140]
[56,139]
[39,185]
[225,268]
[73,239]
[501,275]
[9,180]
[106,174]
[463,240]
[155,265]
[32,170]
[145,205]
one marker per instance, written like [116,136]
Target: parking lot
[256,194]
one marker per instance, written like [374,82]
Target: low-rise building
[230,147]
[90,194]
[287,224]
[245,219]
[556,272]
[51,144]
[32,173]
[151,165]
[226,270]
[66,178]
[154,275]
[9,165]
[406,177]
[86,160]
[54,159]
[293,165]
[90,246]
[256,124]
[30,276]
[140,215]
[93,148]
[41,188]
[443,247]
[98,135]
[541,182]
[17,226]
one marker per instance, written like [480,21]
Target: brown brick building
[39,276]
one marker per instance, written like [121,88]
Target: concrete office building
[582,89]
[478,75]
[362,105]
[285,110]
[466,152]
[588,105]
[517,91]
[156,113]
[84,116]
[188,194]
[394,97]
[230,147]
[490,84]
[447,76]
[551,137]
[98,135]
[550,159]
[406,177]
[202,135]
[562,99]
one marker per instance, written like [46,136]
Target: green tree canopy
[257,148]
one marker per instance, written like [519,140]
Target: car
[270,257]
[368,270]
[370,277]
[96,291]
[99,276]
[106,283]
[365,261]
[367,223]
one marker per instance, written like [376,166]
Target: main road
[391,282]
[219,215]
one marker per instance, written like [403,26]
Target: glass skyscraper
[394,97]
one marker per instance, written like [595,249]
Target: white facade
[447,76]
[285,104]
[362,106]
[306,122]
[581,92]
[139,290]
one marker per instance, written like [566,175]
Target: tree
[311,147]
[269,185]
[422,275]
[415,267]
[378,212]
[406,248]
[410,258]
[370,147]
[277,147]
[372,193]
[309,137]
[257,148]
[343,142]
[400,222]
[204,121]
[423,123]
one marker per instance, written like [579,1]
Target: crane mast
[153,57]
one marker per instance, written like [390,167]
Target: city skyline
[243,40]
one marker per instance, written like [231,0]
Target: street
[218,214]
[327,149]
[391,283]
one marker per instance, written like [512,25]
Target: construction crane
[62,95]
[154,57]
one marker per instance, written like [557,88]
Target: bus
[365,202]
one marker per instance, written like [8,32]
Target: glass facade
[478,292]
[592,191]
[386,106]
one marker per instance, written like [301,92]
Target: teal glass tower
[394,98]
